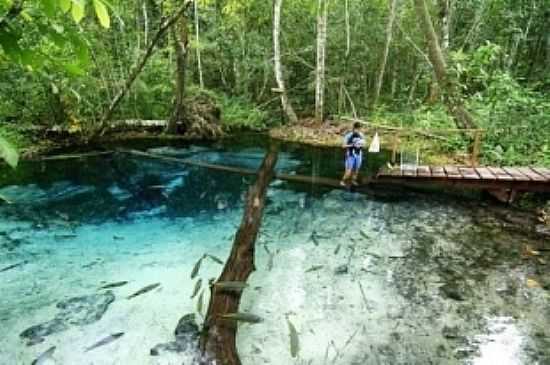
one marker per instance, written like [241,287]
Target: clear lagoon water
[104,246]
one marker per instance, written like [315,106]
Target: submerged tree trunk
[278,68]
[181,41]
[452,99]
[218,340]
[389,35]
[321,57]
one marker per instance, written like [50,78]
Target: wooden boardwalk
[509,180]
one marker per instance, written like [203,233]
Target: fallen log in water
[74,156]
[317,180]
[218,339]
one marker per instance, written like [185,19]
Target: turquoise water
[381,278]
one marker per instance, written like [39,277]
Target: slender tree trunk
[445,7]
[197,36]
[321,57]
[412,91]
[181,41]
[393,81]
[389,35]
[278,68]
[348,32]
[452,99]
[145,24]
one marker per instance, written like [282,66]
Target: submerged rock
[186,333]
[452,292]
[78,311]
[342,269]
[450,332]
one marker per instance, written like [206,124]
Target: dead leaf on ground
[532,283]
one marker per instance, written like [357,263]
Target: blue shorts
[353,162]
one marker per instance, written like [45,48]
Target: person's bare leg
[354,177]
[345,178]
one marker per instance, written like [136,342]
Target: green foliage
[517,123]
[58,64]
[8,153]
[237,112]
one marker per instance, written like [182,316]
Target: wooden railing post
[394,148]
[476,148]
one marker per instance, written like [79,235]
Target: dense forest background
[63,62]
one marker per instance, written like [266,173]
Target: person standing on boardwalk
[353,145]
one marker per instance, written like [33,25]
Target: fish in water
[45,356]
[313,237]
[64,236]
[235,286]
[242,317]
[215,259]
[196,268]
[294,340]
[11,267]
[144,290]
[200,303]
[197,288]
[5,200]
[107,340]
[118,238]
[364,234]
[114,285]
[315,268]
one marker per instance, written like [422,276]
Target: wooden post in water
[218,339]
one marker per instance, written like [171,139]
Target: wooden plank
[396,172]
[542,171]
[533,175]
[516,174]
[423,171]
[452,172]
[438,172]
[468,173]
[500,174]
[409,172]
[386,172]
[485,174]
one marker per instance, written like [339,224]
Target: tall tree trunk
[278,68]
[321,56]
[348,32]
[389,35]
[197,36]
[414,85]
[180,38]
[445,7]
[452,98]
